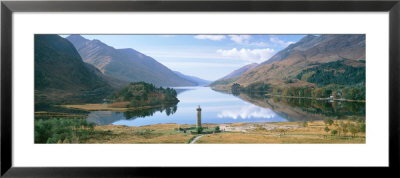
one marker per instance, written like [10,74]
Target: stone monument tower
[198,117]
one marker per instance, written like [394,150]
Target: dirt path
[195,139]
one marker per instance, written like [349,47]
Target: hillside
[282,69]
[61,76]
[233,75]
[113,82]
[240,71]
[197,80]
[126,64]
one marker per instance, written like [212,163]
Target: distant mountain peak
[76,37]
[308,38]
[126,64]
[199,81]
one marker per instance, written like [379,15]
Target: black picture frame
[8,7]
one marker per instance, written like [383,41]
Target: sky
[209,57]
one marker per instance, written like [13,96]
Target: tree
[362,127]
[235,88]
[353,129]
[216,129]
[199,130]
[334,132]
[326,129]
[168,111]
[328,121]
[345,127]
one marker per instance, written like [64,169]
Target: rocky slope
[311,51]
[126,64]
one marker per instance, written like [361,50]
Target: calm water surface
[216,108]
[220,107]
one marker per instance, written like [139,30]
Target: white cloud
[280,42]
[245,40]
[258,44]
[240,39]
[210,37]
[249,55]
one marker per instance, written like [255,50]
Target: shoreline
[327,99]
[105,107]
[300,97]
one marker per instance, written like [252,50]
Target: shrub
[362,127]
[199,130]
[353,129]
[304,123]
[326,129]
[334,132]
[328,121]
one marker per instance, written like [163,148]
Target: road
[195,139]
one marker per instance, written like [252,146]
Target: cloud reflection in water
[246,112]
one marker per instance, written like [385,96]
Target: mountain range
[126,64]
[197,80]
[61,76]
[311,51]
[77,70]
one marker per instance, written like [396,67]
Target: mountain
[113,82]
[311,51]
[126,64]
[240,71]
[233,75]
[198,81]
[61,76]
[324,46]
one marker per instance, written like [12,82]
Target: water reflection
[218,107]
[110,117]
[246,112]
[297,109]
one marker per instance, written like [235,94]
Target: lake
[218,107]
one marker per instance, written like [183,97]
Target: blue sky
[206,56]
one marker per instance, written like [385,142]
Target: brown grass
[313,133]
[283,132]
[119,104]
[160,133]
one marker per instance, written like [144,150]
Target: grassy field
[272,133]
[160,133]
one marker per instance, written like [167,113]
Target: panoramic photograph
[200,89]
